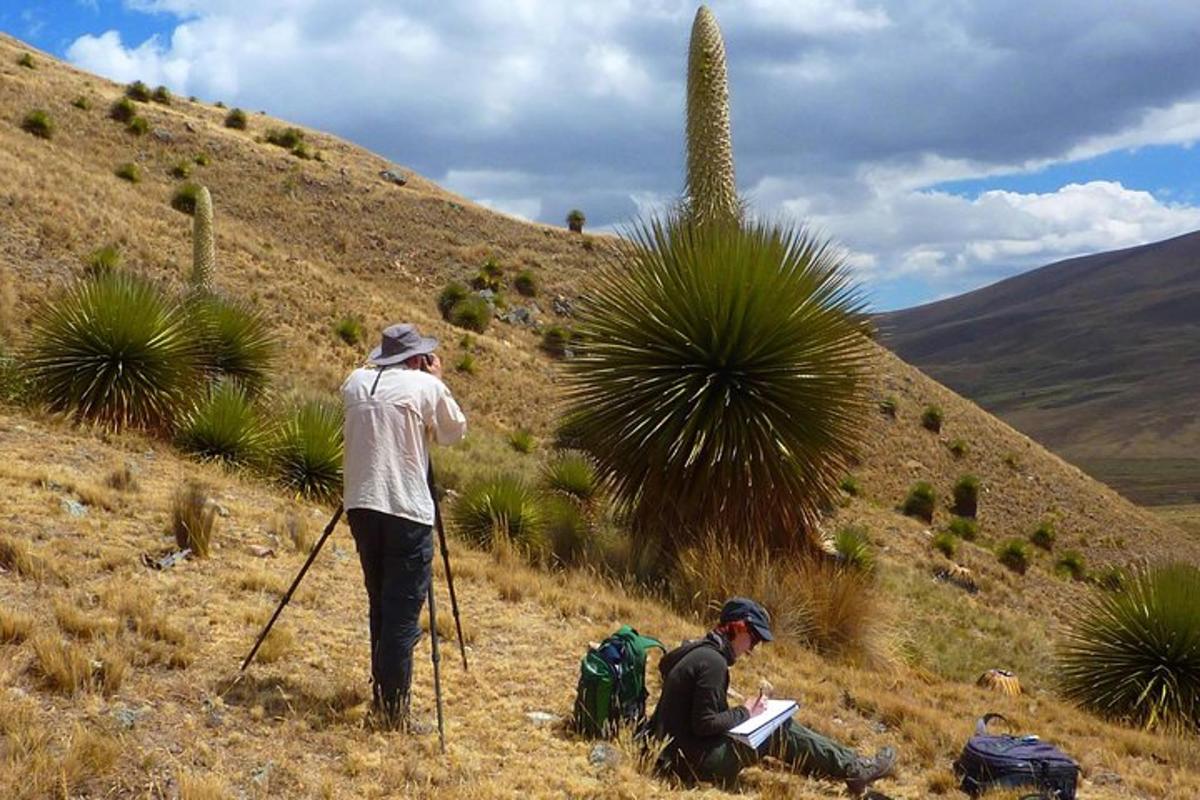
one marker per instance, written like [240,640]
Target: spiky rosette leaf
[723,380]
[711,192]
[224,426]
[1135,655]
[501,506]
[307,450]
[113,349]
[234,341]
[203,245]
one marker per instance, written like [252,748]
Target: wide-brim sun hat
[399,343]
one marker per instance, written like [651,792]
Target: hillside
[310,241]
[1092,356]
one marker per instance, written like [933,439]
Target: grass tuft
[61,666]
[472,313]
[964,528]
[1071,564]
[1014,554]
[526,283]
[307,452]
[1044,535]
[102,261]
[500,508]
[82,103]
[122,110]
[15,626]
[522,440]
[920,501]
[450,296]
[958,448]
[853,548]
[39,123]
[945,543]
[287,138]
[26,60]
[128,172]
[932,418]
[350,330]
[185,197]
[138,126]
[192,518]
[236,119]
[571,473]
[966,496]
[138,91]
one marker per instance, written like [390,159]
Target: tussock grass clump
[350,330]
[39,123]
[292,527]
[138,126]
[1014,554]
[224,426]
[184,198]
[236,119]
[526,283]
[122,479]
[82,103]
[958,448]
[1043,535]
[945,543]
[466,364]
[161,95]
[26,60]
[522,441]
[15,626]
[307,451]
[181,170]
[500,508]
[853,547]
[1071,564]
[234,341]
[278,644]
[568,532]
[471,313]
[82,625]
[490,276]
[16,555]
[576,220]
[966,496]
[920,501]
[451,296]
[201,159]
[571,473]
[201,786]
[812,602]
[556,340]
[193,518]
[61,666]
[1134,656]
[851,486]
[888,406]
[964,528]
[138,91]
[113,350]
[122,110]
[287,138]
[128,172]
[932,418]
[102,261]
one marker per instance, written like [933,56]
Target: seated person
[693,715]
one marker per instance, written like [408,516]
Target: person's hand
[756,706]
[433,365]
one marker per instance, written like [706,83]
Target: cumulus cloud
[846,112]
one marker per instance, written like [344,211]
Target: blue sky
[943,145]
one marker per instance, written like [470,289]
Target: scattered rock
[339,554]
[958,575]
[541,717]
[392,176]
[1106,778]
[164,135]
[604,755]
[190,126]
[127,717]
[74,508]
[519,315]
[261,776]
[261,552]
[167,561]
[563,307]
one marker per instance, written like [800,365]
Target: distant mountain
[1097,357]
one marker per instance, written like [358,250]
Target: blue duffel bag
[1011,762]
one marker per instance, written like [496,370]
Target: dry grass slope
[142,701]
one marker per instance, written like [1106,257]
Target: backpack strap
[981,725]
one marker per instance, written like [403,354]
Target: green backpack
[612,683]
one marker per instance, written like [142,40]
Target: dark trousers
[396,556]
[802,749]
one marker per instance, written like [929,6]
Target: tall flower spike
[711,187]
[203,247]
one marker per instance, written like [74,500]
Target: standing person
[395,406]
[693,716]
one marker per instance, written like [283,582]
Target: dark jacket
[692,710]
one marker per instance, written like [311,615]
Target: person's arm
[711,716]
[449,422]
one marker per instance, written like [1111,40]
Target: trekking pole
[441,529]
[437,672]
[311,557]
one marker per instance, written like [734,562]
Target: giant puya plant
[721,385]
[203,245]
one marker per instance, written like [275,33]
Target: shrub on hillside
[490,276]
[945,543]
[851,486]
[14,386]
[306,453]
[920,501]
[526,283]
[233,341]
[450,296]
[958,448]
[681,393]
[350,330]
[966,496]
[184,198]
[236,119]
[201,159]
[471,313]
[82,103]
[1014,554]
[931,418]
[1135,655]
[38,123]
[572,473]
[224,426]
[556,340]
[182,170]
[192,518]
[502,507]
[853,548]
[26,60]
[162,96]
[128,172]
[113,349]
[1071,564]
[964,528]
[888,406]
[102,261]
[138,91]
[138,126]
[576,220]
[1044,535]
[122,110]
[522,441]
[466,364]
[285,137]
[568,532]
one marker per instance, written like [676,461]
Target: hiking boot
[866,771]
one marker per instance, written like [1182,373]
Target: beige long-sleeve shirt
[388,436]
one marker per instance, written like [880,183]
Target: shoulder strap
[981,725]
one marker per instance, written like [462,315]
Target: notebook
[756,730]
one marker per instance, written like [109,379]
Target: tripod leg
[437,672]
[441,530]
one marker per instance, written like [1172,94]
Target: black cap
[743,608]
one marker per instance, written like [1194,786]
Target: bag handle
[981,725]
